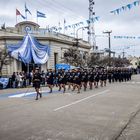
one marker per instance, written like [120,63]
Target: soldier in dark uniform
[104,77]
[85,79]
[97,78]
[116,75]
[37,82]
[59,77]
[50,79]
[68,74]
[91,79]
[101,75]
[72,74]
[77,80]
[64,80]
[109,73]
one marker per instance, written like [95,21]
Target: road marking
[133,82]
[24,94]
[78,101]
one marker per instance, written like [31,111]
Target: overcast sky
[126,23]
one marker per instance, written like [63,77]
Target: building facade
[57,42]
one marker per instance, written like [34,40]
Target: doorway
[30,67]
[55,59]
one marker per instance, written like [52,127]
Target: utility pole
[109,42]
[91,31]
[123,54]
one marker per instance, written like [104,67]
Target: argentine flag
[40,14]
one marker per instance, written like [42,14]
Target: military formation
[77,79]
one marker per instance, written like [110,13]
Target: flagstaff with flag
[40,15]
[18,13]
[27,11]
[64,24]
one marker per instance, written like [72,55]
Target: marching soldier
[97,78]
[85,79]
[50,79]
[77,80]
[37,82]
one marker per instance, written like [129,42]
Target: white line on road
[24,94]
[81,100]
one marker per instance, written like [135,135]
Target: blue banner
[4,82]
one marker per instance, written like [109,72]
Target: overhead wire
[53,7]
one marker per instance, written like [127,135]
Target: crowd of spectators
[23,79]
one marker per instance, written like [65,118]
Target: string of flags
[92,20]
[56,29]
[126,37]
[74,25]
[126,7]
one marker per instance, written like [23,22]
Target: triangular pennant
[129,6]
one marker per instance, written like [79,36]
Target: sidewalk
[132,131]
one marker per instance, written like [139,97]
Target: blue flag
[23,17]
[27,10]
[40,14]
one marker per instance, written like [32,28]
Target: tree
[4,59]
[73,57]
[93,60]
[96,60]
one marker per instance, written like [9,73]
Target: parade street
[107,113]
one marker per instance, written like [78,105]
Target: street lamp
[109,41]
[80,29]
[77,38]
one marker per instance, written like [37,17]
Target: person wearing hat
[50,79]
[77,80]
[84,78]
[36,83]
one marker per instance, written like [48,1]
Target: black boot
[51,90]
[59,89]
[40,95]
[37,96]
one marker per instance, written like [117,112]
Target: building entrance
[30,67]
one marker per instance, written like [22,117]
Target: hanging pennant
[124,8]
[129,6]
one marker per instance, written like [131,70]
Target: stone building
[57,42]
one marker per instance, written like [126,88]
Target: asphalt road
[107,113]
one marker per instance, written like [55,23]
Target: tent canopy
[65,66]
[29,49]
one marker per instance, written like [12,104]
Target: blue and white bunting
[124,8]
[126,37]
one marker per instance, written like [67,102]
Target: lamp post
[109,42]
[77,37]
[80,29]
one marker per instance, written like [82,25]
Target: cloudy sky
[125,24]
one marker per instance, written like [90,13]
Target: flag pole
[36,17]
[16,19]
[59,26]
[64,26]
[16,15]
[25,11]
[26,15]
